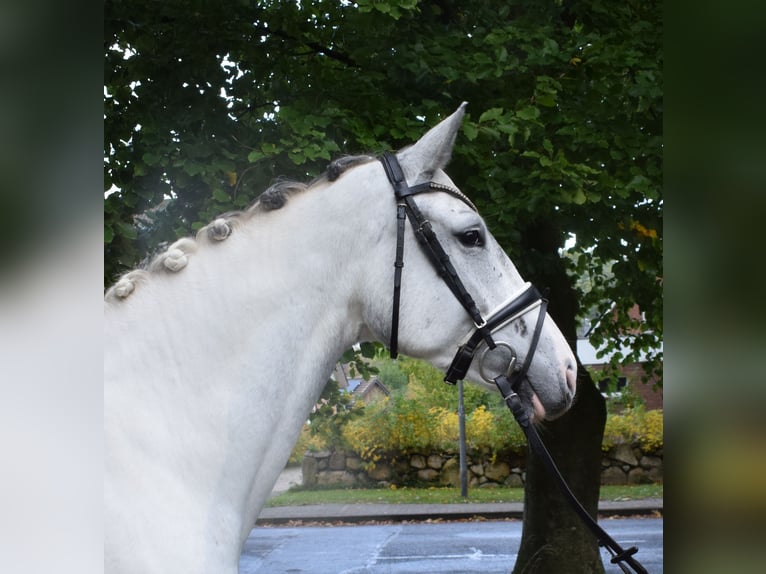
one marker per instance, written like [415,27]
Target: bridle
[512,309]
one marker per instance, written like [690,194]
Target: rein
[512,309]
[620,556]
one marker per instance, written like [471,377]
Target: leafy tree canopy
[205,103]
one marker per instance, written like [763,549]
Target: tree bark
[554,539]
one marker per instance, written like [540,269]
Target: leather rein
[508,383]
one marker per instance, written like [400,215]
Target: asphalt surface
[467,547]
[422,538]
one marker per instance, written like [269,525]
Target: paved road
[486,547]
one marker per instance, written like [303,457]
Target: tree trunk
[554,539]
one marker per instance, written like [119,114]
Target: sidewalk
[422,512]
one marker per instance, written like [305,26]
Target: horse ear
[433,150]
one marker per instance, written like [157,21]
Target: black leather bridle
[509,311]
[509,382]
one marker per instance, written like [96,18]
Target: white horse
[216,353]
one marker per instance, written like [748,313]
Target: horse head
[499,318]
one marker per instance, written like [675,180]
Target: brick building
[631,373]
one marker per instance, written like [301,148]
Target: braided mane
[175,257]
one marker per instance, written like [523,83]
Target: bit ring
[511,364]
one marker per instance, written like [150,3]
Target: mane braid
[176,256]
[276,195]
[339,166]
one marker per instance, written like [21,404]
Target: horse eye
[471,238]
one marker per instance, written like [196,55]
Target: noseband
[506,313]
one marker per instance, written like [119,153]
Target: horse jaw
[431,152]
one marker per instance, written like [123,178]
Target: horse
[216,352]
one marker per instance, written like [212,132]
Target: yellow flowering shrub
[494,430]
[307,442]
[423,419]
[652,438]
[445,428]
[400,426]
[397,424]
[480,429]
[634,426]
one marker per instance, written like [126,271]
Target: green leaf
[368,350]
[108,234]
[254,156]
[546,100]
[127,230]
[150,158]
[593,196]
[192,168]
[579,197]
[528,113]
[220,195]
[297,156]
[269,148]
[471,131]
[491,114]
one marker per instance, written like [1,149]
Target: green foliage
[401,426]
[334,411]
[356,359]
[426,385]
[618,400]
[392,376]
[336,407]
[424,418]
[433,495]
[307,442]
[628,399]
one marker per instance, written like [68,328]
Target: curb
[423,512]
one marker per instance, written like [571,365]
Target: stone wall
[626,464]
[623,464]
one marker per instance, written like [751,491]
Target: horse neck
[284,279]
[232,352]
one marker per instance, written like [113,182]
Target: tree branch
[318,49]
